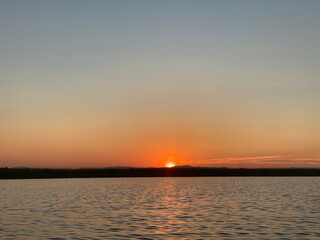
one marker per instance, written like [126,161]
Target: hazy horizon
[130,167]
[144,83]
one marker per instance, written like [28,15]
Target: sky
[141,83]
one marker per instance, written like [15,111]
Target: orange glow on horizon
[170,161]
[170,164]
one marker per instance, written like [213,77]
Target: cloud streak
[259,161]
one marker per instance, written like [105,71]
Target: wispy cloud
[262,161]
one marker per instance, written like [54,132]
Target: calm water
[161,208]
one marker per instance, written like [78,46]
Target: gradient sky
[135,83]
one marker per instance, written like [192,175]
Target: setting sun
[170,161]
[170,165]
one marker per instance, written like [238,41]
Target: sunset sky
[141,83]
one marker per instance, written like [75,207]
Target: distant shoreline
[43,173]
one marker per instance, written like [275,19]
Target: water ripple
[161,208]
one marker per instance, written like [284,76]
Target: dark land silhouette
[34,173]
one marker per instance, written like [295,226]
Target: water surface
[161,208]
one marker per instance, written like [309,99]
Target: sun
[170,164]
[170,161]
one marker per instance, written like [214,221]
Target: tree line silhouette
[31,173]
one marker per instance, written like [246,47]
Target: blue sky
[100,83]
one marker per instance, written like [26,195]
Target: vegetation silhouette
[33,173]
